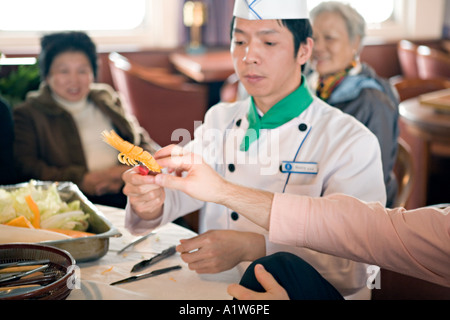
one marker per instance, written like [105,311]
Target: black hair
[56,43]
[301,30]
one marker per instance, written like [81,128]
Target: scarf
[328,83]
[283,111]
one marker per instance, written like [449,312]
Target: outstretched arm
[200,181]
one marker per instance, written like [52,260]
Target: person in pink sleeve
[414,242]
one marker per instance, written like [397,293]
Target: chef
[280,139]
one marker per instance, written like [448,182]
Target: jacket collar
[100,94]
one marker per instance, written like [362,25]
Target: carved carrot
[130,154]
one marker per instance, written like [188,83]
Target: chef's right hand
[145,197]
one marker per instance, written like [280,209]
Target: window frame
[146,35]
[348,1]
[82,17]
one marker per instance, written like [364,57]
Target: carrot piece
[107,270]
[20,221]
[72,233]
[34,208]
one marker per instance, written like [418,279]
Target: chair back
[413,87]
[407,52]
[404,171]
[161,101]
[432,63]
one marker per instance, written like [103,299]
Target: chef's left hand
[220,250]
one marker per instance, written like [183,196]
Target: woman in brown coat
[58,128]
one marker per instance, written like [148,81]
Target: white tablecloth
[182,284]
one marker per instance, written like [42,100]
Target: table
[182,284]
[213,66]
[429,128]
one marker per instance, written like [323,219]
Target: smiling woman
[57,128]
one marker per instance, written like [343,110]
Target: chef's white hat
[271,9]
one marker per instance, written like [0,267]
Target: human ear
[356,44]
[305,51]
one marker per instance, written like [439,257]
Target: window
[112,24]
[32,15]
[374,12]
[135,24]
[391,20]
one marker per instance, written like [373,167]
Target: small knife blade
[135,242]
[145,275]
[22,274]
[146,263]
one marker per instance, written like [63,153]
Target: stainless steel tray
[85,248]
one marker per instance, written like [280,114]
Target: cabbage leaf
[54,212]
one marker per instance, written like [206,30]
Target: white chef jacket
[328,152]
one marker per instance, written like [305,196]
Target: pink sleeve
[415,242]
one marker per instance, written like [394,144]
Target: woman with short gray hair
[356,25]
[340,79]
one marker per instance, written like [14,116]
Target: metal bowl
[61,269]
[85,248]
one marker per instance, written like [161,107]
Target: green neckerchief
[285,110]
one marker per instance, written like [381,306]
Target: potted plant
[17,83]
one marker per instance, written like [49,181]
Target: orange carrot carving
[129,153]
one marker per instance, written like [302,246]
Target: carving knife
[135,242]
[146,275]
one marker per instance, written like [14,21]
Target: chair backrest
[413,87]
[407,52]
[404,171]
[161,101]
[432,63]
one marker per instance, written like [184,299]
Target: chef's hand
[200,180]
[220,250]
[145,197]
[273,290]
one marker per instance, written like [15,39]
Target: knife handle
[166,253]
[146,263]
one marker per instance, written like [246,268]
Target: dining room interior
[170,62]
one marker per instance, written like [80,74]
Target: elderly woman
[340,79]
[58,128]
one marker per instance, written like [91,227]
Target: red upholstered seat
[433,63]
[160,100]
[407,52]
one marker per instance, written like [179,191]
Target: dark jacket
[48,146]
[7,171]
